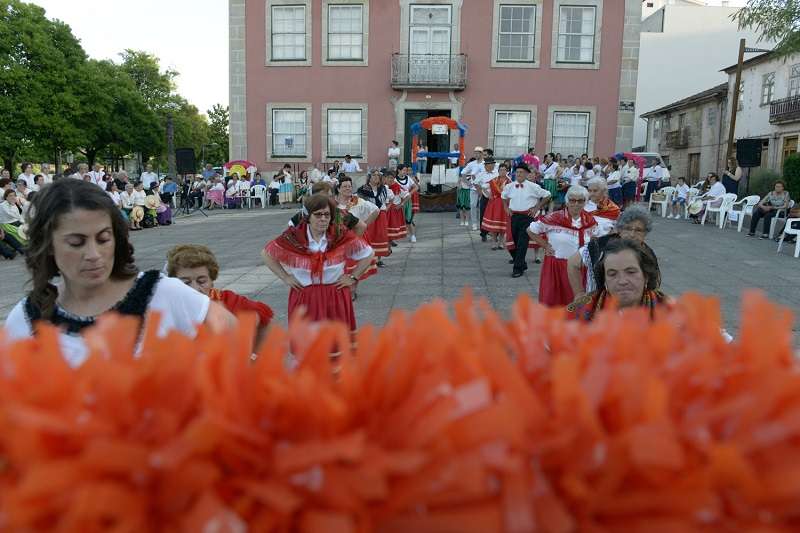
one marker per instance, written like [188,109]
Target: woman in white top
[713,198]
[113,193]
[310,258]
[394,155]
[614,182]
[10,213]
[84,241]
[126,201]
[364,211]
[566,231]
[138,198]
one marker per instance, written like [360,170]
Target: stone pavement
[448,258]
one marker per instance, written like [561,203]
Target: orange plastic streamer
[463,423]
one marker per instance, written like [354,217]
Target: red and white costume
[362,210]
[495,218]
[566,235]
[318,265]
[397,219]
[377,234]
[606,215]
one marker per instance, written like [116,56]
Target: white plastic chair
[691,195]
[748,203]
[244,195]
[789,230]
[722,211]
[259,192]
[668,193]
[779,215]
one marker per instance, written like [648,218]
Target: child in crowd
[680,198]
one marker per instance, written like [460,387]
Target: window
[656,127]
[576,27]
[570,133]
[344,132]
[712,116]
[289,132]
[516,33]
[511,133]
[345,32]
[794,80]
[681,121]
[288,33]
[767,88]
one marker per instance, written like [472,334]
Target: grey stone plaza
[447,258]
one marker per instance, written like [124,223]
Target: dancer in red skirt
[566,231]
[397,218]
[377,234]
[310,258]
[495,218]
[365,211]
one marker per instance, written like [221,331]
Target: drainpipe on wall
[721,120]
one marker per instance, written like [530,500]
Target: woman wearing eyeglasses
[310,258]
[562,234]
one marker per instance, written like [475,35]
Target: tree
[38,62]
[219,120]
[775,20]
[791,174]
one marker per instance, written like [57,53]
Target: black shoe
[537,261]
[393,243]
[764,236]
[510,261]
[516,274]
[483,238]
[380,264]
[751,234]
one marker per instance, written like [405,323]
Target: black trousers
[519,230]
[652,186]
[759,214]
[482,206]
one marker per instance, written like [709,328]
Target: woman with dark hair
[377,234]
[84,240]
[629,274]
[310,258]
[362,210]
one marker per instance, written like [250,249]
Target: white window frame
[364,61]
[537,33]
[269,4]
[712,115]
[356,154]
[740,103]
[494,109]
[794,80]
[767,88]
[455,22]
[591,111]
[332,106]
[270,134]
[598,19]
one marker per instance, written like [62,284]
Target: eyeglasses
[577,200]
[321,215]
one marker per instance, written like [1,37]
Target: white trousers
[474,207]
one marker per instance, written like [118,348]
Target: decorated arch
[429,124]
[240,167]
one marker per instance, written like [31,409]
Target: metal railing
[678,138]
[429,71]
[785,110]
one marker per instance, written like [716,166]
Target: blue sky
[190,36]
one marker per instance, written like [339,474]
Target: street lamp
[203,150]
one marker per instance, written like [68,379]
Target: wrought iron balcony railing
[429,71]
[678,138]
[784,110]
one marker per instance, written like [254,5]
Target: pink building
[314,80]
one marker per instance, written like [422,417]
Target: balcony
[429,71]
[785,110]
[677,139]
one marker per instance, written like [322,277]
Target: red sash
[607,209]
[564,220]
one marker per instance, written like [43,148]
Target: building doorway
[789,148]
[694,168]
[435,143]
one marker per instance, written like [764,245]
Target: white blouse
[181,309]
[331,272]
[361,210]
[127,200]
[9,213]
[614,180]
[565,242]
[115,197]
[139,198]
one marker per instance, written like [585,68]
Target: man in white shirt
[350,165]
[48,178]
[97,175]
[27,175]
[483,185]
[653,177]
[393,153]
[713,198]
[470,171]
[148,177]
[523,199]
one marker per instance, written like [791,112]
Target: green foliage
[219,118]
[762,180]
[776,21]
[791,175]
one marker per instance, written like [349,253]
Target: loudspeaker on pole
[184,161]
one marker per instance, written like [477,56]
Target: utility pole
[171,168]
[735,100]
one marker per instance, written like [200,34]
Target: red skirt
[377,236]
[495,218]
[324,302]
[554,288]
[397,224]
[350,266]
[415,202]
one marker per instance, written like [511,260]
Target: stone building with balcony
[314,80]
[690,133]
[769,105]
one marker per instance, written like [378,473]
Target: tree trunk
[91,154]
[7,164]
[171,167]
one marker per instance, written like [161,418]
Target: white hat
[478,149]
